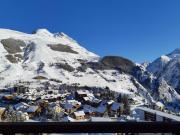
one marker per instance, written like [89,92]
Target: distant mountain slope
[57,58]
[168,67]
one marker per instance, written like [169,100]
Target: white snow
[165,58]
[37,52]
[79,113]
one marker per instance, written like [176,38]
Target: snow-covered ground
[39,59]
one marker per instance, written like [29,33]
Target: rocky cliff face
[168,67]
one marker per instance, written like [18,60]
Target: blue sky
[137,29]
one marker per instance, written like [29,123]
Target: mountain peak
[175,53]
[43,32]
[165,59]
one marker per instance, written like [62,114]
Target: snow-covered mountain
[168,67]
[57,58]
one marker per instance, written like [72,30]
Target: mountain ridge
[43,56]
[168,67]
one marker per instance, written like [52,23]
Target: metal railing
[89,127]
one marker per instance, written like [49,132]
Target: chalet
[79,94]
[2,111]
[22,116]
[91,100]
[71,105]
[116,109]
[89,111]
[31,98]
[69,108]
[79,115]
[55,109]
[51,97]
[75,103]
[52,91]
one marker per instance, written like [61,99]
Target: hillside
[58,59]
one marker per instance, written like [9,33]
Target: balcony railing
[90,127]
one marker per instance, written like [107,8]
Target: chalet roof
[86,98]
[32,109]
[89,109]
[115,106]
[79,113]
[68,106]
[73,102]
[101,109]
[70,97]
[53,104]
[91,99]
[21,105]
[67,119]
[110,102]
[82,92]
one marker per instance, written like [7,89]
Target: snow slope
[44,56]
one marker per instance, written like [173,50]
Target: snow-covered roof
[91,99]
[32,109]
[89,109]
[86,98]
[159,104]
[115,106]
[21,105]
[162,114]
[67,119]
[68,106]
[100,119]
[73,102]
[79,113]
[54,104]
[82,92]
[101,109]
[110,102]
